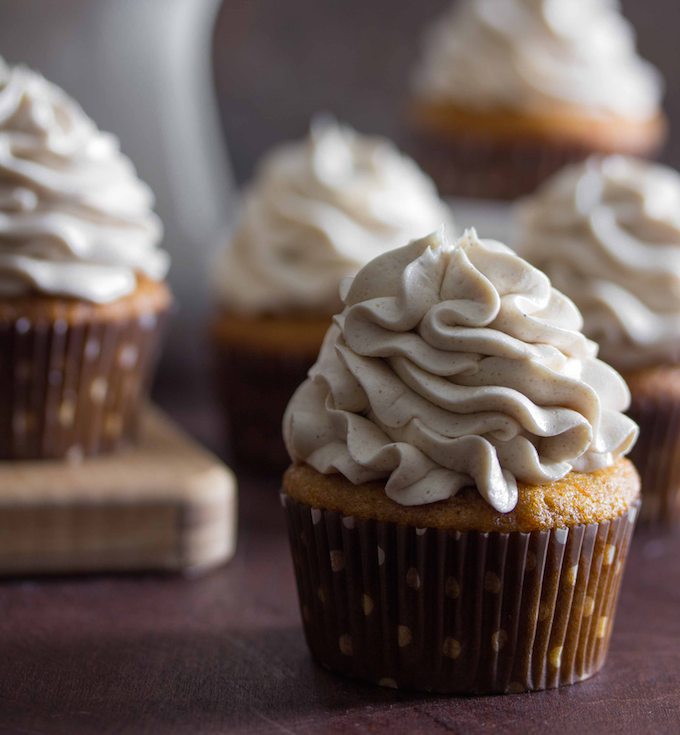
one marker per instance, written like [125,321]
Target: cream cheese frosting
[534,54]
[454,365]
[607,232]
[317,211]
[75,220]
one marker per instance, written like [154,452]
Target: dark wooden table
[225,652]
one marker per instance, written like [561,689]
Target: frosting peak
[533,54]
[607,232]
[457,364]
[317,211]
[74,218]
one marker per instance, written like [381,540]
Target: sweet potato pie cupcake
[509,91]
[317,210]
[82,298]
[459,506]
[607,232]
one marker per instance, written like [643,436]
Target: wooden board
[166,504]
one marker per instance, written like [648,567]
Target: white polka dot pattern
[73,388]
[400,606]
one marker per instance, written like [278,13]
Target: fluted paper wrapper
[74,390]
[472,166]
[656,456]
[456,612]
[254,389]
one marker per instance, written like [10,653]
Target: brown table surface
[225,652]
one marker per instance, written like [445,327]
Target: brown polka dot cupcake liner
[656,456]
[456,612]
[74,390]
[254,389]
[473,166]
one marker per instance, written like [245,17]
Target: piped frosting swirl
[317,211]
[607,232]
[535,54]
[75,220]
[453,365]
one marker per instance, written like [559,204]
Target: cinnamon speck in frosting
[317,211]
[607,233]
[535,54]
[75,220]
[457,364]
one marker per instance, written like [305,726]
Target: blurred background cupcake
[508,91]
[82,298]
[459,507]
[607,232]
[317,210]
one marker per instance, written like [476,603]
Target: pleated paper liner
[254,389]
[656,456]
[478,167]
[457,612]
[73,390]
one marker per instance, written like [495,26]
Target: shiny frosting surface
[607,232]
[317,211]
[75,220]
[534,54]
[456,364]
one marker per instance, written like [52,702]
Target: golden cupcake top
[456,364]
[578,499]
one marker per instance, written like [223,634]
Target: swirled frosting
[75,220]
[455,365]
[317,211]
[607,232]
[533,54]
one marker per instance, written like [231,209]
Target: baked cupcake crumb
[579,498]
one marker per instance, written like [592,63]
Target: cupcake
[317,210]
[509,91]
[459,507]
[82,298]
[607,232]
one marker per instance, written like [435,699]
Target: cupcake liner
[456,612]
[74,390]
[254,388]
[656,456]
[474,166]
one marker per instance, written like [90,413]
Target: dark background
[277,63]
[225,653]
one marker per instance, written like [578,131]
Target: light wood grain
[165,504]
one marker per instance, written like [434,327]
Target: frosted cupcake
[317,210]
[509,91]
[459,507]
[82,297]
[607,232]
